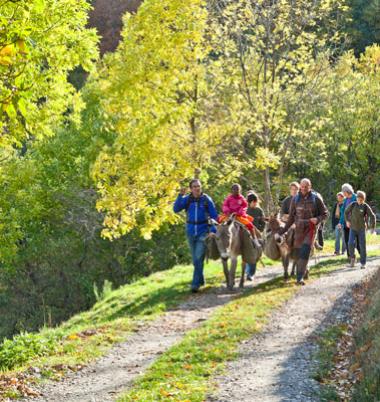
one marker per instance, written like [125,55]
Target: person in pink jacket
[236,204]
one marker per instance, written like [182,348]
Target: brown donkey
[280,247]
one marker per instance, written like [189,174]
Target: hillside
[106,16]
[157,316]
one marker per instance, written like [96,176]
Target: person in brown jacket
[307,210]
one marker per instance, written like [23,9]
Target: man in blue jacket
[199,208]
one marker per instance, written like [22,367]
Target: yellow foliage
[156,97]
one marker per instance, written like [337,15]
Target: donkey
[279,247]
[284,244]
[230,240]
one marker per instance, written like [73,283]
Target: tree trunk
[268,199]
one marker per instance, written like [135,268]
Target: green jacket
[359,216]
[258,217]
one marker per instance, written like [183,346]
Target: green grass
[109,321]
[183,373]
[329,244]
[88,335]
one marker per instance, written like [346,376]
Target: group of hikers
[303,210]
[350,218]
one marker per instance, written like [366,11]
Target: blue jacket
[198,212]
[346,203]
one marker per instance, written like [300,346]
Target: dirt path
[103,379]
[277,364]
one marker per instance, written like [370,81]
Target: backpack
[355,203]
[189,200]
[314,196]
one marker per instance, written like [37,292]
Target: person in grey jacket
[359,216]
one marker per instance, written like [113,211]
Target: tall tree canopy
[270,53]
[155,93]
[41,41]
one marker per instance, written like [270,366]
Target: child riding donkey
[236,205]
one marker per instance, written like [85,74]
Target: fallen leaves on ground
[347,371]
[20,386]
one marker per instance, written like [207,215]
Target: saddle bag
[271,248]
[250,253]
[212,248]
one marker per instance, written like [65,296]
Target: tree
[157,99]
[364,28]
[351,132]
[51,251]
[41,41]
[269,51]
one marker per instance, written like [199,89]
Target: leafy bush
[26,346]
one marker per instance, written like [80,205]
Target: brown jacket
[302,209]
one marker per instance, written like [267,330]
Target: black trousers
[346,236]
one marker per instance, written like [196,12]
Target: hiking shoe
[256,243]
[249,278]
[194,290]
[301,283]
[352,262]
[363,266]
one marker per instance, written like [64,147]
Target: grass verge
[89,334]
[183,373]
[329,244]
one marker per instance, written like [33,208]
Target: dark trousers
[354,236]
[302,261]
[346,238]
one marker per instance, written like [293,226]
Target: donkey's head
[273,227]
[273,224]
[226,237]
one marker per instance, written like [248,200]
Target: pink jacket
[235,204]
